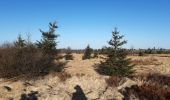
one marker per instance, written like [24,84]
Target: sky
[144,23]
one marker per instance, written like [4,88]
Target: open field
[85,50]
[81,73]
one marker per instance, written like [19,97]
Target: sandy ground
[83,74]
[83,67]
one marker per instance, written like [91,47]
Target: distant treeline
[105,50]
[149,51]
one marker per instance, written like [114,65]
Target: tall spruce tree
[48,43]
[116,62]
[87,53]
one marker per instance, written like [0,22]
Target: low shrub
[155,78]
[146,92]
[113,81]
[28,61]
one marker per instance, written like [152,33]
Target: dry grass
[80,71]
[152,64]
[63,76]
[146,61]
[81,67]
[113,81]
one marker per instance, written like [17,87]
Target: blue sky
[145,23]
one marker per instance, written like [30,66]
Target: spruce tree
[69,55]
[87,53]
[20,43]
[48,43]
[116,62]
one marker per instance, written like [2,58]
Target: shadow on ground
[30,96]
[79,94]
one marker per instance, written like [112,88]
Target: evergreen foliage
[20,43]
[116,62]
[87,53]
[48,43]
[69,55]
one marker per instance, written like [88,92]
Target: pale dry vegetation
[27,62]
[81,72]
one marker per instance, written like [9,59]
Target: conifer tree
[48,43]
[116,62]
[69,55]
[20,43]
[87,53]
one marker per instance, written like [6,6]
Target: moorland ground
[82,73]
